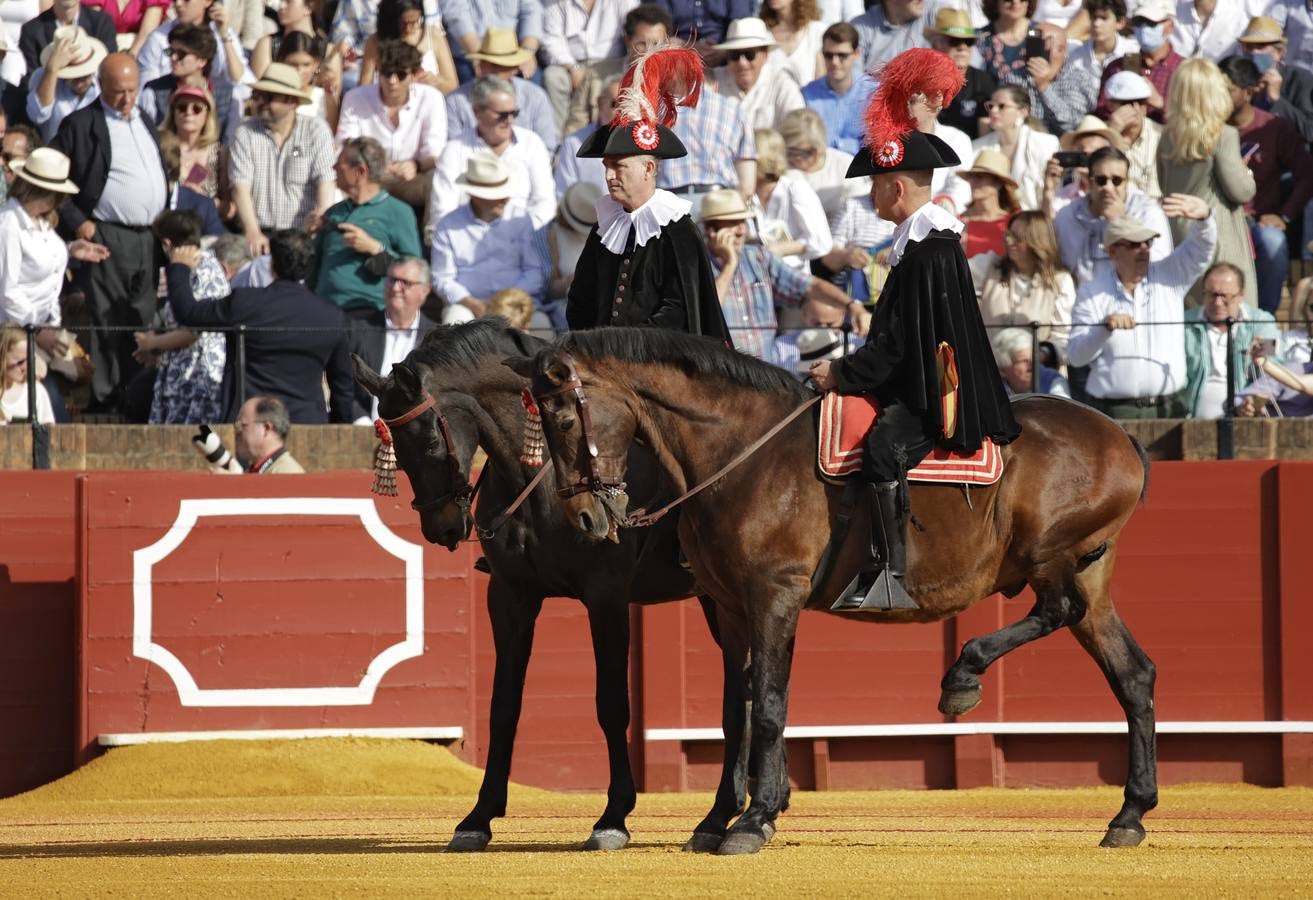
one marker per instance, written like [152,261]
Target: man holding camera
[260,435]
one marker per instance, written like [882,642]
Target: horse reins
[641,518]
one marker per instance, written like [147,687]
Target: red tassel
[385,462]
[532,452]
[915,71]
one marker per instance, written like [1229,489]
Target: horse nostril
[586,522]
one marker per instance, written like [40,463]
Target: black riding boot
[881,585]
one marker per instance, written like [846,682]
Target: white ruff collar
[915,227]
[613,222]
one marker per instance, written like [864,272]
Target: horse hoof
[607,839]
[958,703]
[1122,837]
[469,841]
[739,843]
[703,842]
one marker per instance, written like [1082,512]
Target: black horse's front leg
[513,617]
[608,620]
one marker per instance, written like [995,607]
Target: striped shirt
[761,282]
[716,134]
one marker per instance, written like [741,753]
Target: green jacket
[1198,350]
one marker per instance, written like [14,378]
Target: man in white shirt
[407,118]
[578,35]
[66,81]
[526,159]
[1208,28]
[501,54]
[765,91]
[483,247]
[1138,371]
[1128,99]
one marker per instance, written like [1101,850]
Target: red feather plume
[915,71]
[664,78]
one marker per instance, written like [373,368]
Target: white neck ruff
[930,217]
[614,222]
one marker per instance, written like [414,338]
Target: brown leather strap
[504,516]
[410,415]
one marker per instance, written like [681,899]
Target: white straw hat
[746,33]
[88,53]
[46,168]
[486,178]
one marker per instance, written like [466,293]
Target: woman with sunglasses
[789,215]
[953,36]
[192,126]
[1027,150]
[403,20]
[1199,154]
[13,384]
[797,29]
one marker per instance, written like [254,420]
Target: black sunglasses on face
[178,53]
[505,116]
[836,55]
[961,42]
[749,55]
[1102,180]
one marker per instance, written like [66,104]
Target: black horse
[535,555]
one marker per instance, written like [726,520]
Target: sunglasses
[749,55]
[800,152]
[1135,245]
[991,106]
[1102,180]
[267,97]
[836,55]
[399,76]
[960,42]
[505,116]
[178,53]
[404,282]
[191,109]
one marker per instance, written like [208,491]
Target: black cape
[929,298]
[667,283]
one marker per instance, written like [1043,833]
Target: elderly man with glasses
[1128,322]
[766,92]
[260,437]
[1206,341]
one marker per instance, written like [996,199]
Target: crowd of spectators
[204,201]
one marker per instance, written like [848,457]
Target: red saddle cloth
[845,422]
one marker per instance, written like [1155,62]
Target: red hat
[193,92]
[661,80]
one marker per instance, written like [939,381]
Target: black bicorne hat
[647,138]
[914,150]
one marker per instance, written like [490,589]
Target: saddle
[844,424]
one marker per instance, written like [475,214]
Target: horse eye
[565,423]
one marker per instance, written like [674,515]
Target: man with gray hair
[522,152]
[364,233]
[260,435]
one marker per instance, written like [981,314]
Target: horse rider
[644,262]
[927,359]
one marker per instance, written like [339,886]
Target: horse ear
[559,368]
[520,365]
[365,375]
[407,380]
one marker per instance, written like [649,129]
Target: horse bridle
[464,492]
[594,481]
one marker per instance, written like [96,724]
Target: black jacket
[929,298]
[1296,103]
[83,137]
[367,339]
[36,34]
[281,359]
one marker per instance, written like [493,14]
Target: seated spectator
[18,141]
[408,119]
[363,234]
[1206,341]
[752,281]
[1014,354]
[1287,89]
[133,22]
[1138,371]
[705,24]
[1080,226]
[1062,184]
[1209,32]
[189,372]
[948,188]
[399,20]
[566,235]
[13,383]
[993,203]
[1060,95]
[468,20]
[1107,42]
[1272,147]
[295,338]
[798,32]
[191,58]
[840,96]
[859,234]
[1284,388]
[1001,44]
[580,45]
[953,36]
[1127,96]
[764,91]
[260,437]
[481,247]
[225,59]
[525,158]
[797,350]
[789,217]
[513,305]
[825,168]
[386,336]
[38,33]
[1200,155]
[1027,151]
[293,16]
[570,169]
[500,55]
[66,80]
[182,197]
[721,151]
[1152,22]
[888,27]
[321,75]
[192,128]
[273,189]
[1028,284]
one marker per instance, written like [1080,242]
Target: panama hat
[746,33]
[1262,30]
[953,23]
[486,178]
[46,168]
[1092,125]
[994,163]
[578,209]
[724,204]
[280,78]
[818,343]
[501,47]
[1127,229]
[88,53]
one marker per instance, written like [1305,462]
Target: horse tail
[1144,461]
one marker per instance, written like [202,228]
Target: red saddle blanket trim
[843,427]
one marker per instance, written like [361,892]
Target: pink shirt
[128,19]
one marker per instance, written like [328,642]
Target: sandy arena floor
[349,818]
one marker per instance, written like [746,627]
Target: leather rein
[594,482]
[464,493]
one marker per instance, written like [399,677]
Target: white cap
[1125,86]
[1154,10]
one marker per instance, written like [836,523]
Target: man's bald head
[119,75]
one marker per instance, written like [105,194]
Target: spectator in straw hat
[1295,20]
[765,91]
[1063,184]
[1287,90]
[38,33]
[483,246]
[1127,96]
[1026,149]
[993,202]
[502,55]
[66,80]
[282,163]
[952,35]
[566,236]
[797,350]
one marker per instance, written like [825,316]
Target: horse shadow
[128,849]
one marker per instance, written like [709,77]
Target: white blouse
[32,264]
[794,212]
[802,61]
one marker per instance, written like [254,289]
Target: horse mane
[462,346]
[694,354]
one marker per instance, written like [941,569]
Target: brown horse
[755,538]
